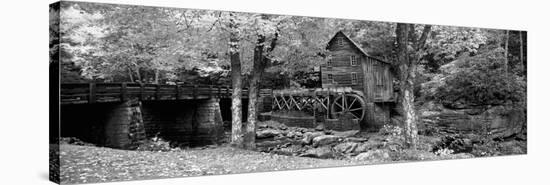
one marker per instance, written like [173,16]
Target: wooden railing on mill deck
[72,93]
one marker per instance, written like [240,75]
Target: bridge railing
[113,92]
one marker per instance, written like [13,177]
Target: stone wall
[341,124]
[294,119]
[381,116]
[124,127]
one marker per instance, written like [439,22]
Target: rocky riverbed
[383,146]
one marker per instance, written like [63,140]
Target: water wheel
[348,104]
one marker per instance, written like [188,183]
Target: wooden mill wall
[341,68]
[377,80]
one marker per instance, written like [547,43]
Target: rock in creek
[325,140]
[268,133]
[308,137]
[374,156]
[324,152]
[347,147]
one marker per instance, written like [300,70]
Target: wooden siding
[383,82]
[341,68]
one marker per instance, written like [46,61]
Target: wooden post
[141,92]
[210,91]
[227,91]
[157,92]
[91,90]
[177,92]
[195,92]
[123,91]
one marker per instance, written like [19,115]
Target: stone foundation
[301,119]
[341,124]
[294,119]
[124,127]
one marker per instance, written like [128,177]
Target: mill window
[353,60]
[353,78]
[339,41]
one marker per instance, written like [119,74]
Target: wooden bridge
[77,93]
[122,115]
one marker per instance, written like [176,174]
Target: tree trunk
[156,76]
[138,75]
[506,39]
[406,66]
[521,66]
[130,74]
[253,92]
[236,81]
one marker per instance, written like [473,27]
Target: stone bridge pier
[125,124]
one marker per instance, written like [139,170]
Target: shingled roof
[356,46]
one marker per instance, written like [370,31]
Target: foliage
[451,144]
[391,130]
[481,80]
[447,43]
[73,141]
[156,144]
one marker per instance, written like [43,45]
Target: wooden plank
[141,92]
[157,92]
[91,96]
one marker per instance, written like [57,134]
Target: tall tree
[236,81]
[409,52]
[521,51]
[506,41]
[260,61]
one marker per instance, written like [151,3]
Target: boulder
[369,145]
[267,133]
[347,147]
[356,139]
[290,150]
[324,152]
[294,134]
[345,133]
[374,156]
[497,122]
[320,127]
[308,137]
[273,143]
[325,140]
